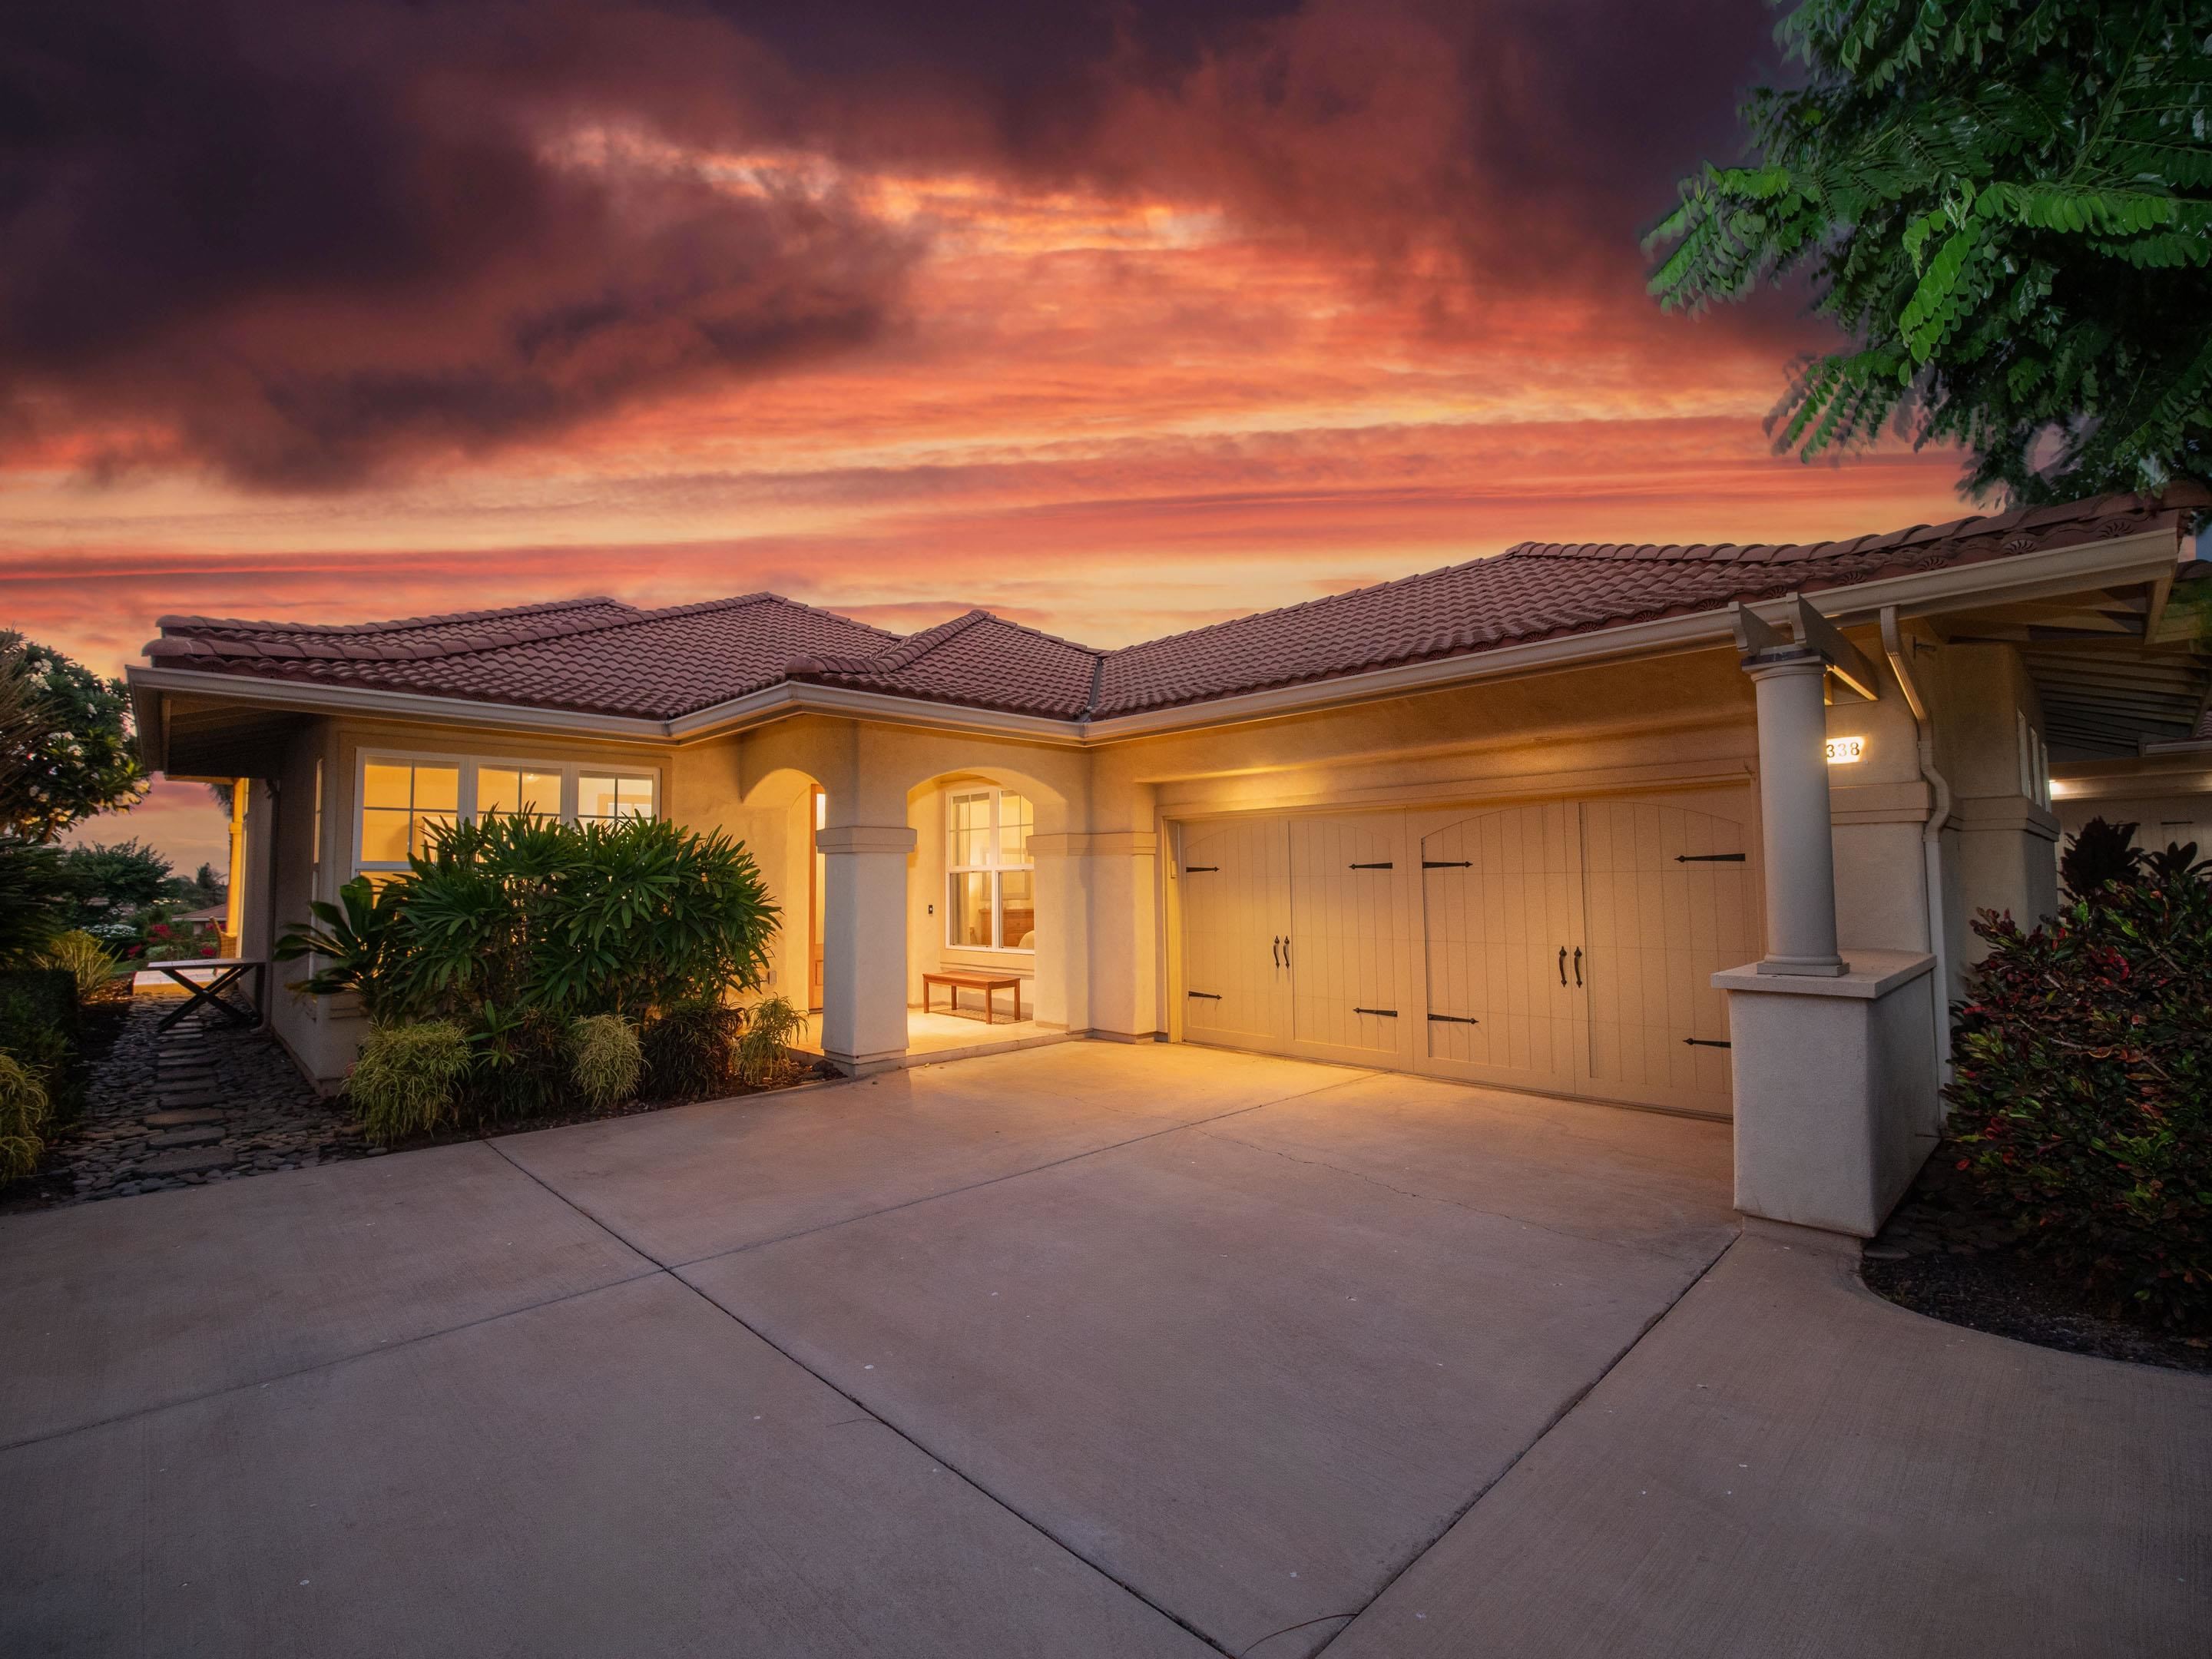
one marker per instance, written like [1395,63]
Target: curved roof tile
[602,656]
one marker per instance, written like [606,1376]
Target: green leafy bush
[409,1078]
[515,930]
[23,1107]
[691,1050]
[39,1029]
[30,899]
[606,1059]
[2081,1101]
[80,956]
[764,1054]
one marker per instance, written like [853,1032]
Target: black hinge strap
[1447,864]
[1708,857]
[1454,1019]
[1386,1013]
[1385,864]
[1705,1042]
[1201,869]
[1210,996]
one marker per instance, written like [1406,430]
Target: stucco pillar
[1793,800]
[863,944]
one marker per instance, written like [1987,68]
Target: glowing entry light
[1843,752]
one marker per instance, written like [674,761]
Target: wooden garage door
[1501,899]
[1236,917]
[1350,996]
[1566,947]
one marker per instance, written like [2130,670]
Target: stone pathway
[201,1102]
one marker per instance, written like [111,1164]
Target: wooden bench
[208,994]
[955,983]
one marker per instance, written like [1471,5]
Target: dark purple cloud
[304,243]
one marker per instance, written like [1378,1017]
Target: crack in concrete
[1536,1439]
[1303,1623]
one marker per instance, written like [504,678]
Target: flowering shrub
[2081,1100]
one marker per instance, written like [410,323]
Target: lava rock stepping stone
[183,1118]
[193,1160]
[200,1135]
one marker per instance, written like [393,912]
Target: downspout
[1893,645]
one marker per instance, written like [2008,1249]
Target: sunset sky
[1115,320]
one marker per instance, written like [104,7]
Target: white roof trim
[2145,557]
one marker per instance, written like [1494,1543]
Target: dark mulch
[1940,1257]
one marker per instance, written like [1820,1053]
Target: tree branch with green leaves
[2008,207]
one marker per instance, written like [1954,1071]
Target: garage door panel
[1668,904]
[1235,894]
[1498,899]
[1349,991]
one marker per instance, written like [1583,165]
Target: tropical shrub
[80,956]
[2100,854]
[408,1080]
[691,1050]
[23,1108]
[606,1059]
[764,1054]
[515,931]
[30,897]
[2082,1099]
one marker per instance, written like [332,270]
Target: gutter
[1896,647]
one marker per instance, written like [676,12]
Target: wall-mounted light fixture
[1845,751]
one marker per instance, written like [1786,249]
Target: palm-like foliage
[2009,204]
[508,918]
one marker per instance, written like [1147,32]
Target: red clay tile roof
[601,656]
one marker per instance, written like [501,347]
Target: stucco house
[1695,829]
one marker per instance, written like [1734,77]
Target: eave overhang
[2150,557]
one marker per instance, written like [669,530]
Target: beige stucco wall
[1107,816]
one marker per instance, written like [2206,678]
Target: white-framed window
[399,797]
[990,900]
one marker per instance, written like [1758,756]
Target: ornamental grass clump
[2082,1099]
[22,1119]
[606,1059]
[81,957]
[409,1078]
[764,1052]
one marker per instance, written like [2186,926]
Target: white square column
[1833,1050]
[863,944]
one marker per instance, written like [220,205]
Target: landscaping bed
[1943,1256]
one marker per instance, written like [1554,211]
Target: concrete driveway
[1084,1350]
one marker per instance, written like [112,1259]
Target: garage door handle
[1210,996]
[1386,1013]
[1454,1019]
[1447,864]
[1705,1042]
[1708,857]
[1563,964]
[1201,869]
[1385,864]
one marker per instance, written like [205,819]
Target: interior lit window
[991,884]
[518,792]
[602,799]
[400,801]
[403,796]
